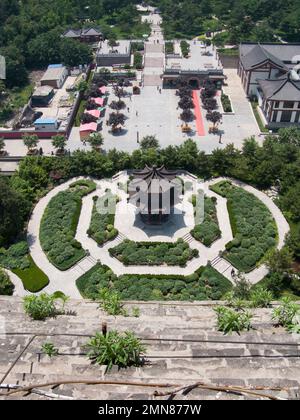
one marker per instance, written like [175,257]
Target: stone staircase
[188,238]
[221,265]
[183,347]
[120,238]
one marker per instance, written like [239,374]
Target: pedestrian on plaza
[128,109]
[137,114]
[220,138]
[138,137]
[232,273]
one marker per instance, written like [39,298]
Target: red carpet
[198,114]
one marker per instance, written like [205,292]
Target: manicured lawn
[33,278]
[59,224]
[208,230]
[153,253]
[18,260]
[102,224]
[252,224]
[205,284]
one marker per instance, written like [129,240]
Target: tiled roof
[283,89]
[258,55]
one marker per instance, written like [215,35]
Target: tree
[59,142]
[2,145]
[280,261]
[74,53]
[88,118]
[112,42]
[82,86]
[6,286]
[96,141]
[31,141]
[43,49]
[117,105]
[149,142]
[116,119]
[119,92]
[16,71]
[184,91]
[215,117]
[210,104]
[187,116]
[186,103]
[13,210]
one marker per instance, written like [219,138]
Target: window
[288,104]
[275,113]
[276,105]
[286,116]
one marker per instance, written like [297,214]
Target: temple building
[155,191]
[269,74]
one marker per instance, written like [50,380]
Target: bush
[6,286]
[103,219]
[185,48]
[230,320]
[110,302]
[261,297]
[208,231]
[41,307]
[138,61]
[226,103]
[205,284]
[153,253]
[116,349]
[285,313]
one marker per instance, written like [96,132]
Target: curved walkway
[66,281]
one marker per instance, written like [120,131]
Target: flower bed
[252,225]
[208,231]
[102,225]
[59,224]
[153,253]
[205,284]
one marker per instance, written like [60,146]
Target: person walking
[220,138]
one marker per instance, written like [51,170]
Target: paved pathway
[65,281]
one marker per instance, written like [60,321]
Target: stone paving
[183,347]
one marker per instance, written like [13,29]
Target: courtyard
[124,228]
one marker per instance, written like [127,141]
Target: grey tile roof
[283,52]
[258,55]
[282,89]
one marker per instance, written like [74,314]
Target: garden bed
[226,104]
[59,224]
[205,284]
[252,224]
[102,224]
[18,260]
[153,253]
[208,231]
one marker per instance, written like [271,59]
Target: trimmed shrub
[152,253]
[6,286]
[208,231]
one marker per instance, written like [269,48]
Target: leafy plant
[40,307]
[116,349]
[136,312]
[230,321]
[111,303]
[49,349]
[260,297]
[285,312]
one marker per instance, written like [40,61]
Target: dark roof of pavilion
[148,174]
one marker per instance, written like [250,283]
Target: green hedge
[102,225]
[226,103]
[59,224]
[252,224]
[138,61]
[18,260]
[205,284]
[185,48]
[153,253]
[208,231]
